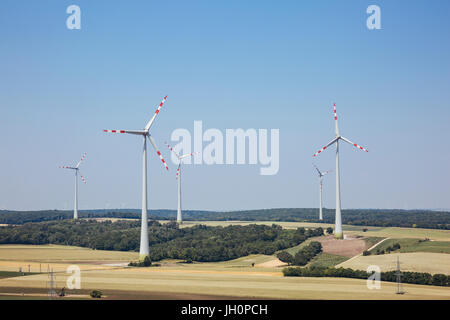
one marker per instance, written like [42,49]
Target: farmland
[227,279]
[413,261]
[252,276]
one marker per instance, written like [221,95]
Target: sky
[230,64]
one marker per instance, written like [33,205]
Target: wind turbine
[338,234]
[144,250]
[321,175]
[76,169]
[178,177]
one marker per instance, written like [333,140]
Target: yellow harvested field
[229,283]
[235,278]
[55,253]
[413,261]
[275,263]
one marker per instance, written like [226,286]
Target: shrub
[96,294]
[285,256]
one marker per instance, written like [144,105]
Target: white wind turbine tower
[178,176]
[338,234]
[76,169]
[321,175]
[144,250]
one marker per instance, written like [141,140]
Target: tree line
[363,217]
[391,276]
[302,256]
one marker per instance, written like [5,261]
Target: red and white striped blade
[354,144]
[82,158]
[138,132]
[114,131]
[82,178]
[66,167]
[329,144]
[152,141]
[335,120]
[149,124]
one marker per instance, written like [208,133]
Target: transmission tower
[51,285]
[399,278]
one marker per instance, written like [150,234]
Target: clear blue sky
[231,64]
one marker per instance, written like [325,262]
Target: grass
[294,250]
[326,260]
[371,241]
[415,245]
[394,232]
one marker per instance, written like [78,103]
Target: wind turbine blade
[82,158]
[189,154]
[320,173]
[354,144]
[327,172]
[126,131]
[82,178]
[171,149]
[335,120]
[66,167]
[329,144]
[152,141]
[149,124]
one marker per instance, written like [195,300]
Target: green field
[326,260]
[415,245]
[371,241]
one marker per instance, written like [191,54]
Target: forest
[198,243]
[362,217]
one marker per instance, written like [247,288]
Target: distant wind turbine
[144,249]
[321,175]
[338,234]
[178,177]
[76,169]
